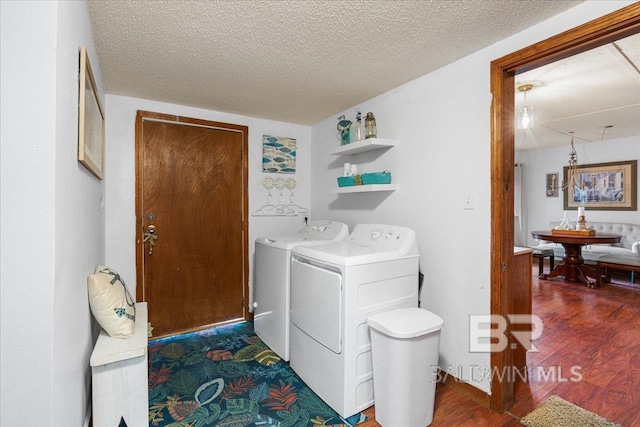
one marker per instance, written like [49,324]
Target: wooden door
[192,187]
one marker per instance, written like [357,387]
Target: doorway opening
[604,30]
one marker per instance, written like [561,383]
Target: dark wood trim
[248,315]
[601,31]
[140,296]
[598,32]
[502,235]
[148,115]
[464,388]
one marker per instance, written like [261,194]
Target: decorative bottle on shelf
[358,126]
[343,130]
[370,126]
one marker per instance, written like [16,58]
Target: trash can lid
[406,322]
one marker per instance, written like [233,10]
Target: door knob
[151,235]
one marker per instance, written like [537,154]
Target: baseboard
[464,388]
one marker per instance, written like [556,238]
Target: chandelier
[572,170]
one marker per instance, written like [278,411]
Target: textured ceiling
[294,61]
[595,94]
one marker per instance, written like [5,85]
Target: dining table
[573,267]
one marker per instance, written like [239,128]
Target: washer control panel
[328,230]
[387,236]
[377,234]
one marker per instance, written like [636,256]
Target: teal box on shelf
[346,181]
[376,178]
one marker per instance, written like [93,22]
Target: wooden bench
[624,263]
[540,255]
[120,380]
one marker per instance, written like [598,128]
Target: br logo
[488,333]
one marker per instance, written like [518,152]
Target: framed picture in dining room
[552,185]
[603,186]
[90,120]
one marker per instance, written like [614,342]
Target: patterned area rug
[226,376]
[555,412]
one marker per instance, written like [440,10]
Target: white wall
[28,201]
[80,225]
[441,122]
[120,190]
[52,227]
[539,210]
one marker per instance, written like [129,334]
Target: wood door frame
[140,116]
[603,30]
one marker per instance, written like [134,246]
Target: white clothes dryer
[271,280]
[334,289]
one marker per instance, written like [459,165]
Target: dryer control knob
[322,228]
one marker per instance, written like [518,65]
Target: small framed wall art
[90,120]
[552,185]
[278,154]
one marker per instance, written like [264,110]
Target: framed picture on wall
[552,185]
[278,154]
[603,186]
[90,120]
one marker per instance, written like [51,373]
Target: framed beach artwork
[278,154]
[90,120]
[603,186]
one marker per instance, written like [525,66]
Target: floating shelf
[363,188]
[362,146]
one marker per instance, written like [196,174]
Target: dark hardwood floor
[595,332]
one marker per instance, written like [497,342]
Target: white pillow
[111,302]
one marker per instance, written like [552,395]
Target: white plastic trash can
[404,346]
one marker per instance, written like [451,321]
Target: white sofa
[629,245]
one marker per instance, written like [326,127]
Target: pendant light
[525,114]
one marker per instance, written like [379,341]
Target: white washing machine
[271,280]
[334,288]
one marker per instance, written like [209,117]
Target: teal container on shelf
[376,178]
[346,181]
